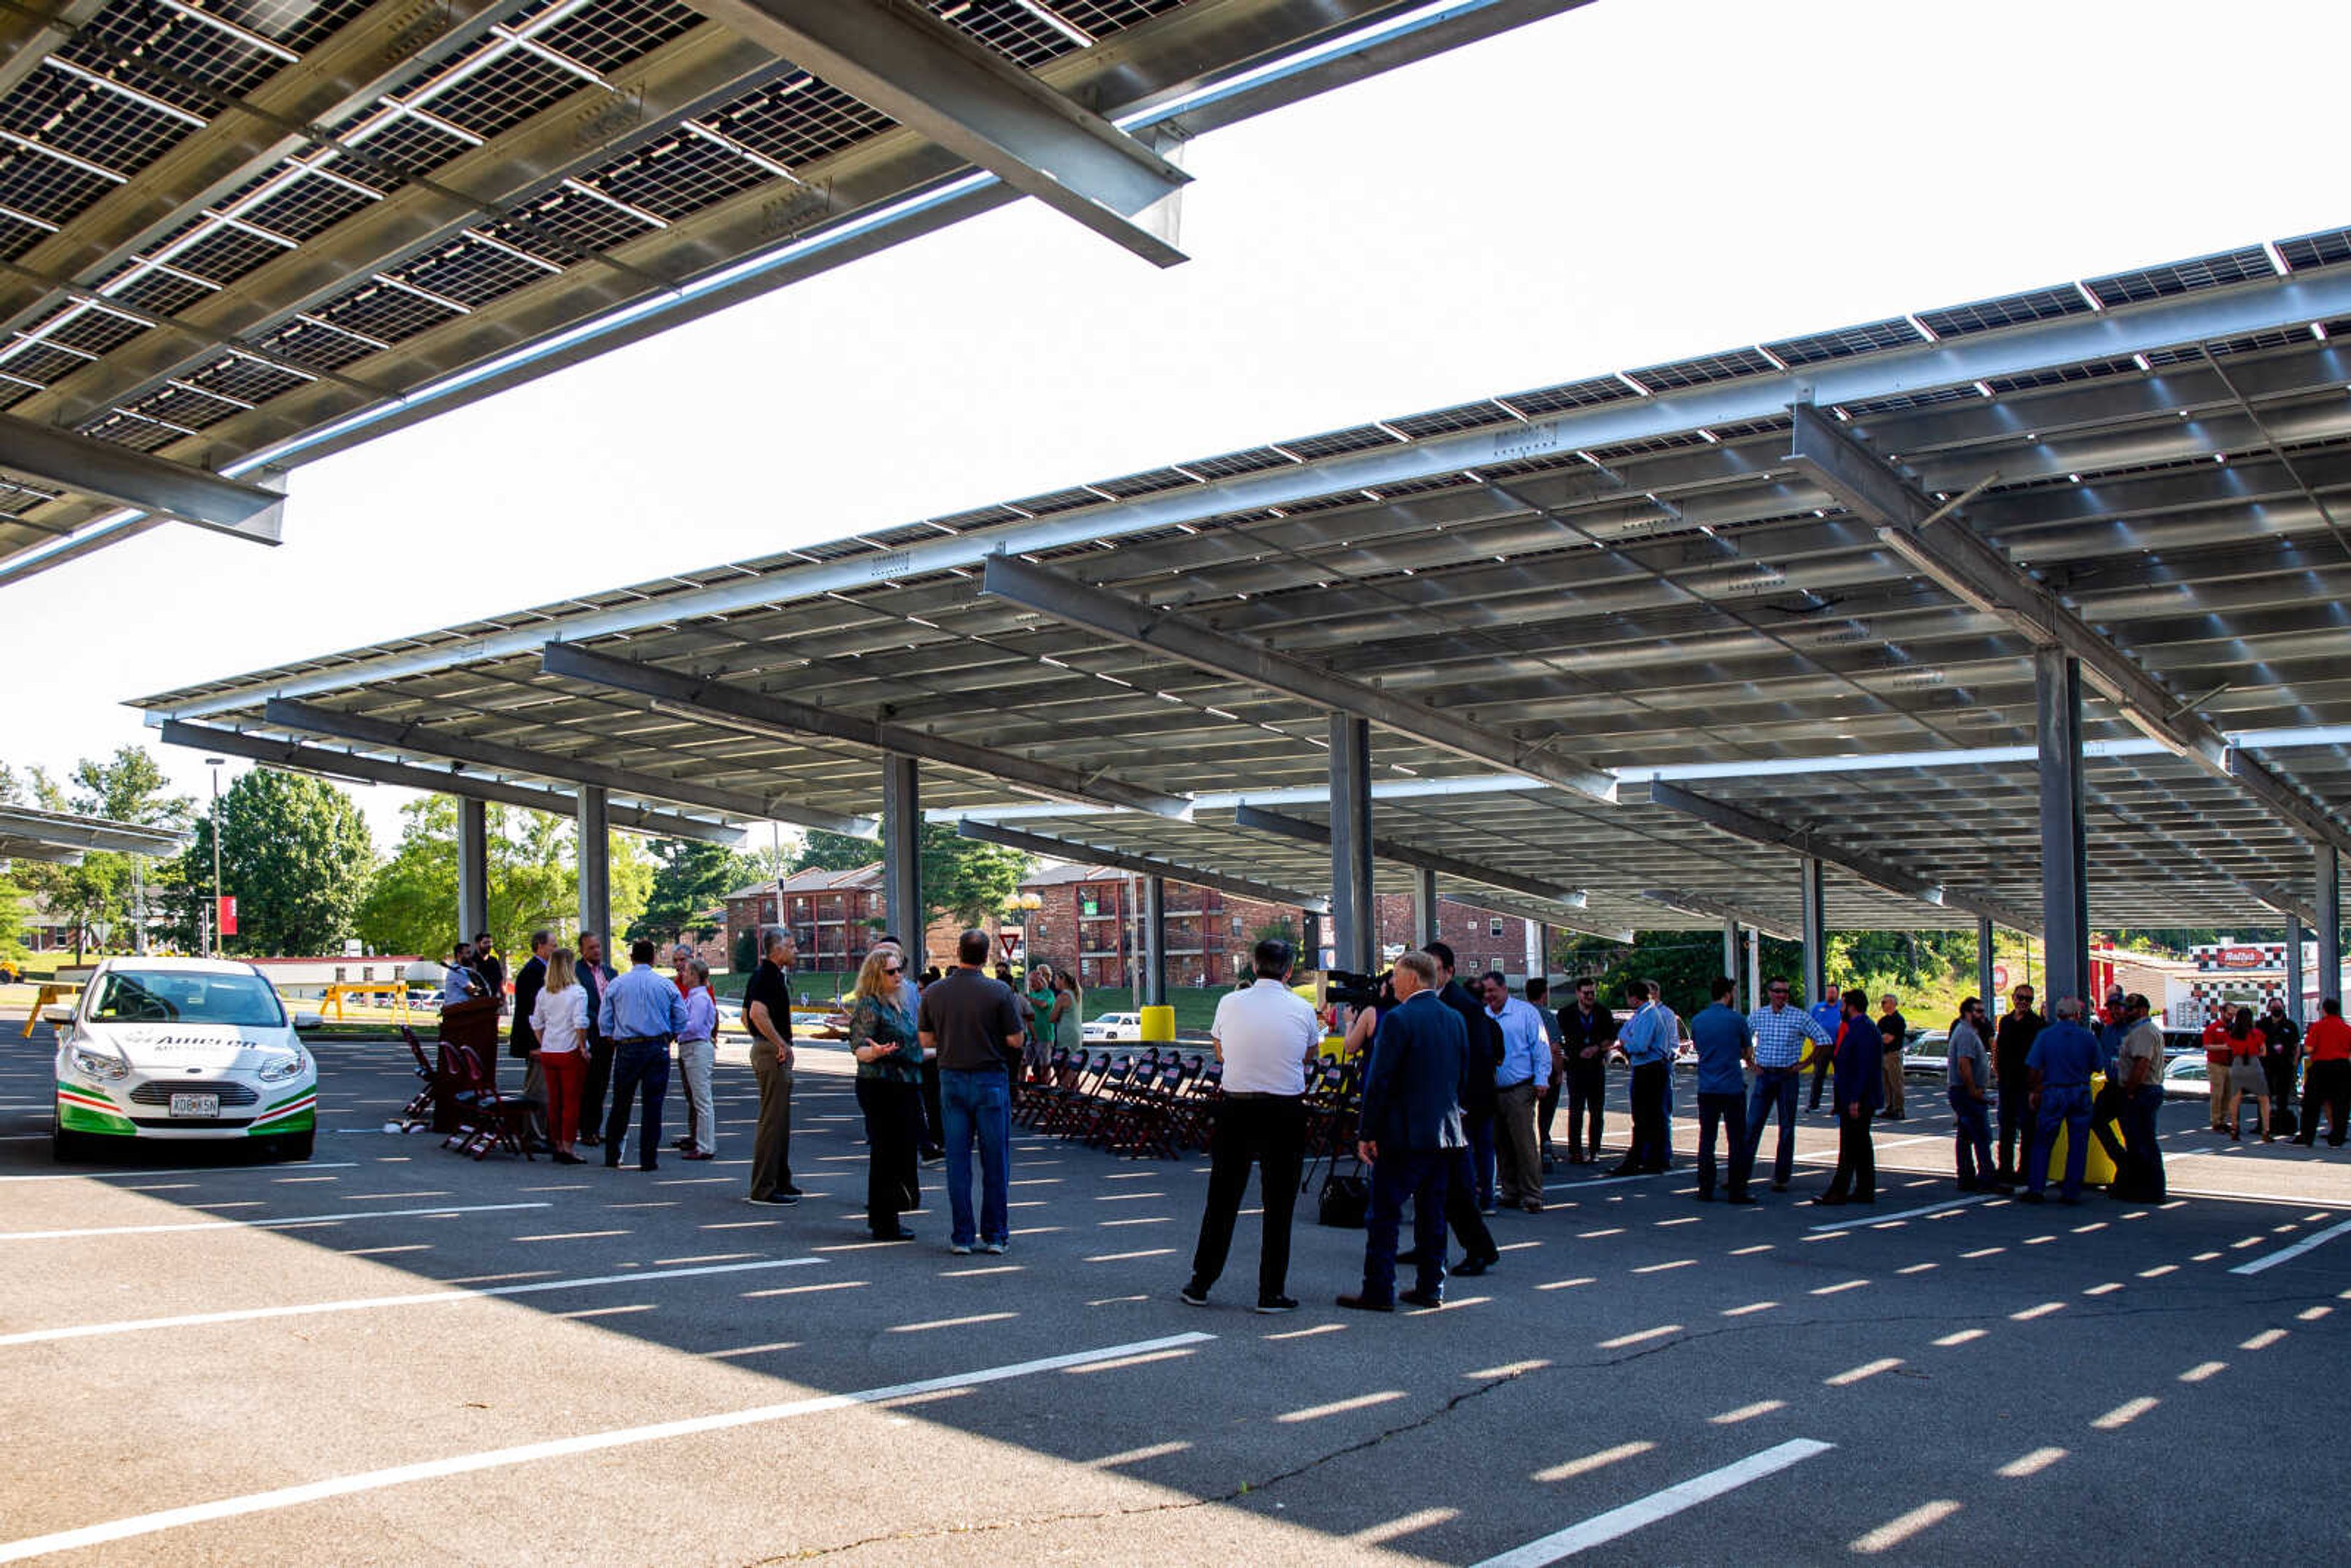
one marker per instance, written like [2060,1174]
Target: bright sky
[1630,183]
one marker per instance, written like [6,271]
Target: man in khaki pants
[767,1011]
[1519,1083]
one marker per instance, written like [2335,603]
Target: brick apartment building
[835,918]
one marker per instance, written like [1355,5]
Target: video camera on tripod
[1347,989]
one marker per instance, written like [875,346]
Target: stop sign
[1999,977]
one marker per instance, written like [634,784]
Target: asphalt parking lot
[394,1354]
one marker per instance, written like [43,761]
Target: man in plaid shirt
[1780,1029]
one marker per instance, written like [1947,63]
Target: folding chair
[495,1120]
[418,1111]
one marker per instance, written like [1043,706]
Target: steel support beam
[2286,902]
[595,850]
[1079,603]
[1354,898]
[1984,956]
[396,736]
[2064,840]
[1310,949]
[923,73]
[24,827]
[1730,951]
[1722,909]
[294,756]
[902,854]
[2295,977]
[1739,822]
[2330,921]
[473,868]
[29,31]
[1979,573]
[125,476]
[1816,936]
[712,700]
[1154,941]
[1425,923]
[1079,853]
[1754,968]
[1259,819]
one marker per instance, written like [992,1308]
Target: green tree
[296,857]
[534,880]
[961,877]
[128,787]
[689,876]
[11,920]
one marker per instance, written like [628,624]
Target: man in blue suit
[1859,1089]
[1411,1133]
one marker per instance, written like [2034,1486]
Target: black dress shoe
[2029,1196]
[1706,1198]
[1362,1303]
[593,1140]
[789,1190]
[1470,1268]
[611,1165]
[653,1166]
[1425,1299]
[1272,1306]
[1740,1199]
[901,1234]
[1825,1201]
[1627,1168]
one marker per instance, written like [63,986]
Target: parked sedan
[1927,1054]
[2184,1076]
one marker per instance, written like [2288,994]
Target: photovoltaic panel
[610,34]
[1332,444]
[1256,460]
[1812,349]
[1590,393]
[2328,247]
[1146,484]
[1727,366]
[2214,271]
[2008,310]
[1476,415]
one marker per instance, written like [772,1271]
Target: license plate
[196,1105]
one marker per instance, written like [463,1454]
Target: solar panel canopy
[1589,622]
[238,234]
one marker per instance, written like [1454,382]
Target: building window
[1236,925]
[339,972]
[1494,925]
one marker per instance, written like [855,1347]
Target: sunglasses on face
[894,968]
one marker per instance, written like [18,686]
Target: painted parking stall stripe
[2287,1254]
[1603,1527]
[561,1447]
[379,1304]
[1862,1222]
[187,1170]
[266,1224]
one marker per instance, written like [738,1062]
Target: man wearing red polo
[2326,1081]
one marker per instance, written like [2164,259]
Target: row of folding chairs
[1158,1102]
[487,1118]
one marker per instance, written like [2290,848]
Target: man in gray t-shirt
[1969,1074]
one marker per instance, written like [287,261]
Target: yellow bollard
[1158,1025]
[2097,1170]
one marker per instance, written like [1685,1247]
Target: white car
[1110,1027]
[2188,1077]
[196,1048]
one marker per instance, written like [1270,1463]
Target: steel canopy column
[2294,973]
[1423,905]
[1815,932]
[1754,968]
[595,835]
[902,855]
[1310,952]
[1354,917]
[473,869]
[2064,847]
[1731,950]
[1155,943]
[1983,969]
[2330,920]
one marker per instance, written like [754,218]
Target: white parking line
[2285,1254]
[265,1224]
[188,1170]
[371,1304]
[559,1448]
[1603,1527]
[1863,1222]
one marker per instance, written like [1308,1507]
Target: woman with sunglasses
[882,1037]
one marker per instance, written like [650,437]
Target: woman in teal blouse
[889,1052]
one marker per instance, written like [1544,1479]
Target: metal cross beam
[1979,573]
[1097,610]
[1259,819]
[418,737]
[2286,902]
[1742,823]
[294,756]
[1078,854]
[714,701]
[924,73]
[129,478]
[1722,909]
[26,832]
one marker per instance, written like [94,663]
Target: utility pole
[211,926]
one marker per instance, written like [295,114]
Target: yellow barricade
[1159,1025]
[2097,1170]
[49,993]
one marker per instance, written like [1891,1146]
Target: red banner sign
[227,916]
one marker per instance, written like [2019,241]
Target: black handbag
[1345,1200]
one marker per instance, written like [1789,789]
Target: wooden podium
[473,1024]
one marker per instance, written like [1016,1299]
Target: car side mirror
[57,1013]
[308,1020]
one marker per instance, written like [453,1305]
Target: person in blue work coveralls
[1859,1089]
[1725,1044]
[2062,1058]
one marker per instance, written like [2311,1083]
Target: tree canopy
[101,892]
[534,880]
[296,855]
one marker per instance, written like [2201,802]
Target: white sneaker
[961,1248]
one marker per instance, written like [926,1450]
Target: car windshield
[165,996]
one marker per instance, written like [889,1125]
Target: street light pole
[211,926]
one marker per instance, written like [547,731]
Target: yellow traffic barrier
[1159,1025]
[2097,1170]
[335,993]
[48,993]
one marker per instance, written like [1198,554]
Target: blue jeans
[643,1067]
[2068,1107]
[1973,1138]
[1421,1176]
[1775,1090]
[979,1103]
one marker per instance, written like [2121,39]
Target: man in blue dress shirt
[1648,1041]
[641,1014]
[1725,1045]
[1829,1013]
[2062,1059]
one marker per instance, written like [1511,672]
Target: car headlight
[99,1064]
[278,1068]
